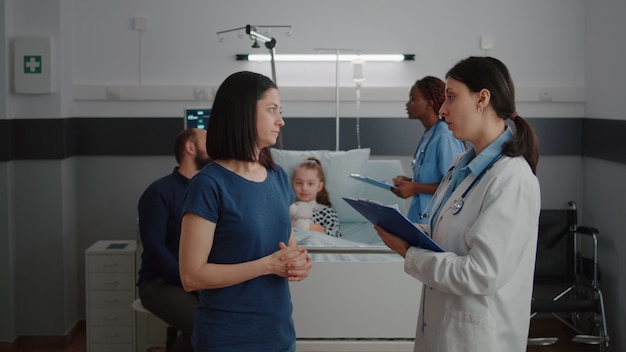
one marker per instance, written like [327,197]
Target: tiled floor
[539,327]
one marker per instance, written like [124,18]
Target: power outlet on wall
[140,23]
[486,42]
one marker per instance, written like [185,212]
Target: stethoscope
[418,157]
[457,204]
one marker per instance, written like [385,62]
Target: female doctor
[485,215]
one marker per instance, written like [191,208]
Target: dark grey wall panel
[6,140]
[127,136]
[308,134]
[559,136]
[384,136]
[38,139]
[24,139]
[387,136]
[605,139]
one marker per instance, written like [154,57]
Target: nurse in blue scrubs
[435,151]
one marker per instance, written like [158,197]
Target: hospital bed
[357,296]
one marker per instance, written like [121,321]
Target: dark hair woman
[236,245]
[485,215]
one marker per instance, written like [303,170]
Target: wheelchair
[567,278]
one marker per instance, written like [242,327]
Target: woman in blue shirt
[435,151]
[236,244]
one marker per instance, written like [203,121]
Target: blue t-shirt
[432,159]
[251,219]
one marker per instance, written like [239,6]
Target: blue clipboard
[392,220]
[379,183]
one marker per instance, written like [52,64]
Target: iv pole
[337,51]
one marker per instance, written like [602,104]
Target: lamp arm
[256,35]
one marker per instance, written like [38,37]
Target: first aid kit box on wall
[33,59]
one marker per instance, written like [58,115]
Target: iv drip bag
[358,66]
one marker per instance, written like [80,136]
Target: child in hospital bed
[312,209]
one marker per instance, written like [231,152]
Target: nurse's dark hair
[432,89]
[231,131]
[477,73]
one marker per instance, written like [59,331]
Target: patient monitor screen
[197,117]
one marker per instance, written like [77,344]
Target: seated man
[160,288]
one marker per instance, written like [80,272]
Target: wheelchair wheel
[589,325]
[585,322]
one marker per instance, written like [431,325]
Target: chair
[171,331]
[567,278]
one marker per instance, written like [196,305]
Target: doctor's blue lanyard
[458,203]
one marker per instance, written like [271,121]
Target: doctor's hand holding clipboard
[396,243]
[389,219]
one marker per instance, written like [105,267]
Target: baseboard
[35,343]
[360,345]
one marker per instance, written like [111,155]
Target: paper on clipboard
[392,220]
[379,183]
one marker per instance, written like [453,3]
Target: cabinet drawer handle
[111,317]
[109,265]
[110,334]
[110,282]
[110,300]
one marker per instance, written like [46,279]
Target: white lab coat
[477,294]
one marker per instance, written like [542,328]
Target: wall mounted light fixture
[326,57]
[338,55]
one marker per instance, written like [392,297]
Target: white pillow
[338,165]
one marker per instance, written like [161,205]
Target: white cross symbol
[32,64]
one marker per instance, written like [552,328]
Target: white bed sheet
[354,299]
[327,248]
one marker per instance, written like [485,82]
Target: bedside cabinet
[110,291]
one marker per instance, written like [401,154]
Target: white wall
[7,320]
[181,47]
[605,56]
[605,192]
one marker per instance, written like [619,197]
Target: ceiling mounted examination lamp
[256,37]
[270,44]
[326,57]
[252,31]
